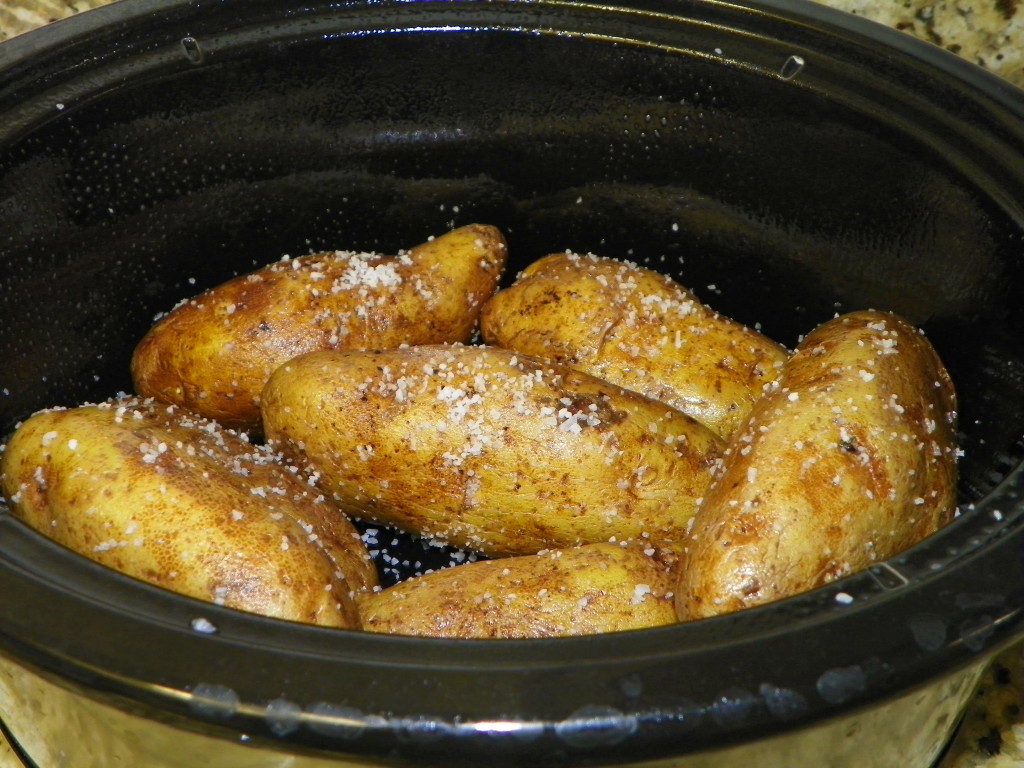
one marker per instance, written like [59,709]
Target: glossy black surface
[157,148]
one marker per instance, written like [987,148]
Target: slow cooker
[783,160]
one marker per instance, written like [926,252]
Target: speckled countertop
[989,33]
[986,32]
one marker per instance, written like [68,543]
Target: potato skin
[214,353]
[489,450]
[170,499]
[636,328]
[584,590]
[848,461]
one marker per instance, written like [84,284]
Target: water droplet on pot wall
[193,51]
[595,726]
[791,67]
[929,631]
[283,716]
[839,684]
[783,703]
[733,707]
[339,721]
[214,700]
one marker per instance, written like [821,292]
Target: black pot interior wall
[777,205]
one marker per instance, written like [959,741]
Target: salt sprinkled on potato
[172,499]
[636,328]
[847,461]
[579,591]
[213,353]
[488,450]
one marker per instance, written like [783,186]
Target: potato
[848,461]
[170,499]
[214,353]
[487,450]
[580,591]
[638,329]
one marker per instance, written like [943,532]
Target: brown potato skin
[584,590]
[214,353]
[488,450]
[636,328]
[168,498]
[848,461]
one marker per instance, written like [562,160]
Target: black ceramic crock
[785,161]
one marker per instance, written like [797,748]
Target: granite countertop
[986,32]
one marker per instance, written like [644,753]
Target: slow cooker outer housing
[785,161]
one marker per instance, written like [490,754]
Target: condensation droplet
[791,67]
[632,685]
[975,632]
[783,703]
[214,700]
[283,716]
[734,707]
[193,51]
[596,726]
[929,631]
[840,684]
[423,729]
[340,721]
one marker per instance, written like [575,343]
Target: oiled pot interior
[781,188]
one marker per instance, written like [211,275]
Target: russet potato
[213,353]
[579,591]
[849,460]
[488,450]
[636,328]
[166,497]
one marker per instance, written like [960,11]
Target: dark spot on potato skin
[599,406]
[751,588]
